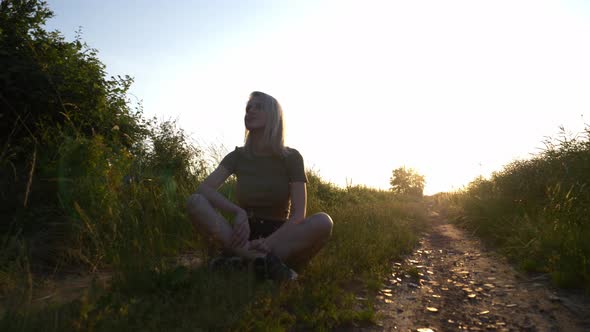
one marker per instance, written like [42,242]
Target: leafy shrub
[85,176]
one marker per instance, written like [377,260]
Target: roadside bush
[537,210]
[85,176]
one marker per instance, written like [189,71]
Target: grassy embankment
[90,185]
[149,291]
[536,211]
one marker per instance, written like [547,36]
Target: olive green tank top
[263,181]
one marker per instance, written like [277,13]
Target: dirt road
[451,283]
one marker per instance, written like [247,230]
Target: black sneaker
[226,263]
[271,267]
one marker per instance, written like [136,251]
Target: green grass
[536,211]
[157,296]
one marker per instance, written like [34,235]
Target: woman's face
[255,116]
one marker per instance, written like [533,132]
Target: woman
[270,226]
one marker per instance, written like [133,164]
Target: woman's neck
[258,146]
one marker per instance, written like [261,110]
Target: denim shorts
[261,228]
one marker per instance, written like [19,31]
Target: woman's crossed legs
[294,244]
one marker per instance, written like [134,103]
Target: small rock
[542,277]
[432,309]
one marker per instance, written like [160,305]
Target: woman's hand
[259,245]
[241,230]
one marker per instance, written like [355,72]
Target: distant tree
[407,182]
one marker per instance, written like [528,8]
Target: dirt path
[452,283]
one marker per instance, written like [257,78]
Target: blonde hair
[274,133]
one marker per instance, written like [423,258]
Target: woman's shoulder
[237,150]
[291,153]
[233,154]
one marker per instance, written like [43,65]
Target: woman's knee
[195,203]
[323,223]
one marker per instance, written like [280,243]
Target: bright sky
[453,89]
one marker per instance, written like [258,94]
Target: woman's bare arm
[298,201]
[209,186]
